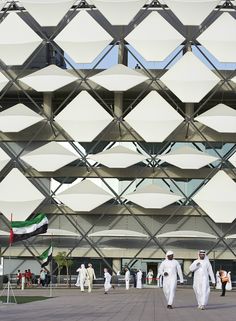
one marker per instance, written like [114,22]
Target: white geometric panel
[189,79]
[3,81]
[50,157]
[221,118]
[119,12]
[220,38]
[217,198]
[84,196]
[83,47]
[16,37]
[47,12]
[59,232]
[4,233]
[17,118]
[49,78]
[187,234]
[187,158]
[192,12]
[119,78]
[118,157]
[84,118]
[231,236]
[232,159]
[152,196]
[154,118]
[4,159]
[118,233]
[18,196]
[154,46]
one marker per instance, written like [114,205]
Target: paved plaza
[119,305]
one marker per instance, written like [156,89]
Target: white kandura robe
[127,276]
[172,267]
[107,283]
[201,280]
[229,283]
[139,280]
[218,281]
[91,277]
[82,276]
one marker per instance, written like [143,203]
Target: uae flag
[22,230]
[46,256]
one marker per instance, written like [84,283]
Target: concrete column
[116,265]
[47,104]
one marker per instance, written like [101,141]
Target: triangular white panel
[154,46]
[221,118]
[231,236]
[152,196]
[84,196]
[220,38]
[84,118]
[187,234]
[3,81]
[192,12]
[118,233]
[189,79]
[187,158]
[17,118]
[83,47]
[4,159]
[47,12]
[49,78]
[119,12]
[119,78]
[217,198]
[232,159]
[59,232]
[17,40]
[154,118]
[49,157]
[118,157]
[18,196]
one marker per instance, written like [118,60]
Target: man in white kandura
[107,283]
[82,276]
[139,279]
[169,269]
[91,277]
[127,276]
[202,270]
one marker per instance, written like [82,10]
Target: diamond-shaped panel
[187,158]
[4,159]
[153,118]
[17,118]
[217,198]
[84,196]
[192,12]
[221,118]
[83,47]
[153,196]
[3,81]
[119,12]
[47,12]
[49,78]
[16,37]
[154,46]
[189,79]
[49,157]
[118,157]
[84,118]
[119,78]
[220,38]
[18,196]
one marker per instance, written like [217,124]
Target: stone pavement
[119,305]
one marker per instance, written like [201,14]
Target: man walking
[91,277]
[202,270]
[169,269]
